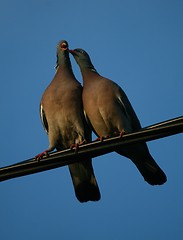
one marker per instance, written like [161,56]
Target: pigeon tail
[151,172]
[84,181]
[86,191]
[145,163]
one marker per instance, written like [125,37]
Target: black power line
[93,149]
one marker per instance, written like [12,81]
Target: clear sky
[139,45]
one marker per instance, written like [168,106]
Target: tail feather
[86,191]
[151,172]
[84,181]
[140,156]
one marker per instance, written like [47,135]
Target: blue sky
[138,44]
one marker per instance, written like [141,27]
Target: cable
[93,149]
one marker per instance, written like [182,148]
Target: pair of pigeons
[69,113]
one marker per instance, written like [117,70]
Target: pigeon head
[82,58]
[62,46]
[79,52]
[62,53]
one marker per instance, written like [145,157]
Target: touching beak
[73,52]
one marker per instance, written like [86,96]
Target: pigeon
[62,116]
[110,113]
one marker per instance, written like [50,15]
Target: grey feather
[111,113]
[61,112]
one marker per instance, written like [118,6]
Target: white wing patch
[43,118]
[124,108]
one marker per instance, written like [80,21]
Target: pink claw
[75,146]
[101,139]
[122,133]
[41,155]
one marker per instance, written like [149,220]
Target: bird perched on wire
[110,113]
[63,119]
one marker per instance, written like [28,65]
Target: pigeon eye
[80,51]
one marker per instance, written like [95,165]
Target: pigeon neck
[63,61]
[92,69]
[64,74]
[88,67]
[88,74]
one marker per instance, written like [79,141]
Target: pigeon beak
[73,52]
[64,46]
